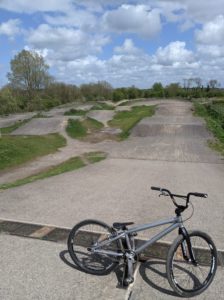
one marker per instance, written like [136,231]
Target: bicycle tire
[83,236]
[177,266]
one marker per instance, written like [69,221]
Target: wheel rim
[85,237]
[187,276]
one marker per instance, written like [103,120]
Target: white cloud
[138,19]
[126,68]
[209,51]
[28,6]
[64,43]
[100,5]
[76,17]
[212,32]
[10,28]
[197,11]
[175,52]
[128,47]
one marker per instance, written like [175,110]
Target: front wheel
[85,235]
[186,278]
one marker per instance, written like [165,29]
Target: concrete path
[102,116]
[42,126]
[40,270]
[34,269]
[168,150]
[12,119]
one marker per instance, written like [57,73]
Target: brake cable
[191,212]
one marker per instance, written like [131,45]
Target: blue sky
[123,42]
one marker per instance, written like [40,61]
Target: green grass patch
[75,112]
[75,129]
[71,164]
[214,124]
[9,129]
[16,150]
[126,120]
[94,157]
[80,129]
[102,106]
[92,124]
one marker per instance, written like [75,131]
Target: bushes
[8,102]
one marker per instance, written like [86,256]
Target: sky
[122,42]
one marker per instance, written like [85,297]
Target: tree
[158,90]
[173,89]
[29,73]
[213,83]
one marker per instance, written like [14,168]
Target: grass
[94,157]
[126,120]
[75,129]
[16,150]
[71,164]
[92,124]
[75,112]
[9,129]
[214,124]
[80,129]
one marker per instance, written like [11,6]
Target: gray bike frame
[176,222]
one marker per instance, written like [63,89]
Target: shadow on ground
[65,257]
[154,274]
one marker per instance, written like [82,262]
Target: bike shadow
[153,272]
[65,257]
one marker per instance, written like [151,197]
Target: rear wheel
[82,237]
[186,278]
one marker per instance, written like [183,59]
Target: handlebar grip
[155,188]
[202,195]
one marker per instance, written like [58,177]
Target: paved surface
[119,189]
[152,284]
[40,126]
[102,116]
[167,150]
[34,269]
[11,119]
[40,270]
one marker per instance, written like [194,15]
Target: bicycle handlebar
[166,192]
[155,188]
[202,195]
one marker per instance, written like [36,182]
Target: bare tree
[213,83]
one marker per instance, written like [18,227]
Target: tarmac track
[168,150]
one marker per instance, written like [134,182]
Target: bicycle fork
[187,246]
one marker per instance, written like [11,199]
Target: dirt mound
[40,126]
[102,116]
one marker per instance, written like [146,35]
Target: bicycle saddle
[122,225]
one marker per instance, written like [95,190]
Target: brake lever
[163,194]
